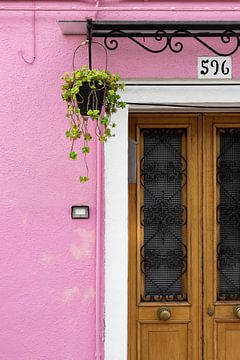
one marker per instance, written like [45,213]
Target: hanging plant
[91,96]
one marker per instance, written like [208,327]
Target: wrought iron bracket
[168,35]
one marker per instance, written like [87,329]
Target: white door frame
[116,190]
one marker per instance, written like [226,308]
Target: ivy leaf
[86,150]
[108,132]
[73,155]
[83,179]
[104,120]
[102,138]
[122,104]
[75,133]
[87,137]
[67,133]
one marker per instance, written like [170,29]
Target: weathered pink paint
[47,267]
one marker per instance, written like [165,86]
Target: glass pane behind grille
[228,214]
[163,216]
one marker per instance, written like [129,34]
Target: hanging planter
[91,95]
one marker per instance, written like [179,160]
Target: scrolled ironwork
[172,259]
[176,47]
[173,170]
[170,40]
[164,298]
[227,256]
[230,297]
[112,44]
[163,174]
[164,214]
[225,38]
[227,170]
[228,214]
[159,35]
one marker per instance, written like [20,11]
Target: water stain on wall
[47,259]
[70,294]
[85,248]
[88,295]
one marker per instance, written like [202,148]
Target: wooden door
[165,239]
[184,238]
[222,236]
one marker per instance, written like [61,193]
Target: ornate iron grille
[163,176]
[228,215]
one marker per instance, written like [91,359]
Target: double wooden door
[184,237]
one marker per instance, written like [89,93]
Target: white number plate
[218,67]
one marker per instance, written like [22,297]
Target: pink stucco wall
[47,260]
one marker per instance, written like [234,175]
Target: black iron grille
[163,177]
[228,214]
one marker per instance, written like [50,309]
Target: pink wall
[47,262]
[47,267]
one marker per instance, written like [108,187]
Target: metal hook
[84,43]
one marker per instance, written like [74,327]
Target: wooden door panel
[163,341]
[177,313]
[228,340]
[179,337]
[221,153]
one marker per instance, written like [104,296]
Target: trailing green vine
[99,86]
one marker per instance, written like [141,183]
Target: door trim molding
[116,195]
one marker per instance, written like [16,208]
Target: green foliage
[73,155]
[94,114]
[85,150]
[83,179]
[78,130]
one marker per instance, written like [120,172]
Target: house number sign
[218,67]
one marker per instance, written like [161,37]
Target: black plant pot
[90,99]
